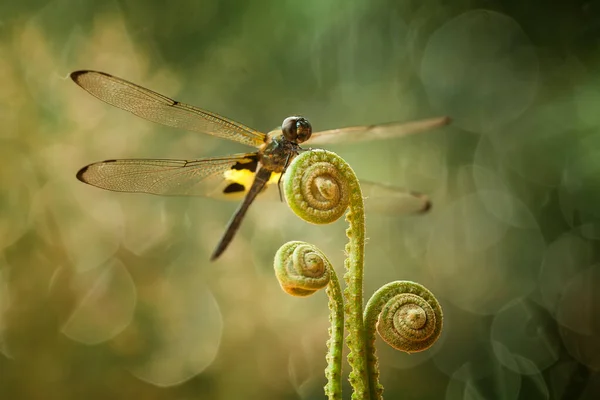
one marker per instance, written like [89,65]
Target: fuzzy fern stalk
[320,187]
[302,269]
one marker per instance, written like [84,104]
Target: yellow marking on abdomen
[245,177]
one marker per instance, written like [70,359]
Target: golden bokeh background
[109,295]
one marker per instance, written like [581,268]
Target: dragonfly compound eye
[303,129]
[296,129]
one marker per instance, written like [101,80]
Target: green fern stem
[301,270]
[319,187]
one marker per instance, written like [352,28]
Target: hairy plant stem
[320,187]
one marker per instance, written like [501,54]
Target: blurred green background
[111,296]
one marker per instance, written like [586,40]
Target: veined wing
[355,134]
[158,108]
[203,177]
[391,200]
[379,198]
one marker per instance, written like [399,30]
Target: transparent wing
[355,134]
[157,108]
[204,177]
[391,200]
[379,198]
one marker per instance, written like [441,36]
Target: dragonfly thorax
[277,153]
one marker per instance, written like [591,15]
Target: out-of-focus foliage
[111,296]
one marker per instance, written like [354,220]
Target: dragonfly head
[296,129]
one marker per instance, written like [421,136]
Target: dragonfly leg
[287,163]
[279,187]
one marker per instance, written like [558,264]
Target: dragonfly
[244,176]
